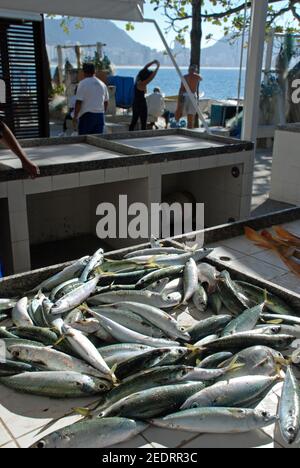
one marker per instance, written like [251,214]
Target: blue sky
[146,34]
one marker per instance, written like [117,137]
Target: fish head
[265,417]
[103,385]
[285,341]
[172,299]
[18,352]
[48,442]
[290,433]
[41,444]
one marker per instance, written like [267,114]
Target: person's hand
[157,63]
[31,169]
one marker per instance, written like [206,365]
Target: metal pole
[269,55]
[254,69]
[182,78]
[241,62]
[60,64]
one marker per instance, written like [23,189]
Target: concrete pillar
[254,69]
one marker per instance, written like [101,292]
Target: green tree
[228,14]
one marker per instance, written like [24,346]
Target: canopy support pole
[254,69]
[182,78]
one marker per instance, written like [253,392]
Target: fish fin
[59,341]
[114,378]
[194,348]
[283,362]
[275,322]
[84,308]
[198,362]
[54,421]
[85,412]
[234,365]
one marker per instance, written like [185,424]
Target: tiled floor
[243,255]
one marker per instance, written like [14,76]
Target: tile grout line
[13,439]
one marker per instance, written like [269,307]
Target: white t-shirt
[156,105]
[93,93]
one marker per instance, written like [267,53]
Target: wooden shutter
[22,67]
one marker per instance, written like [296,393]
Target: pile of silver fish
[113,330]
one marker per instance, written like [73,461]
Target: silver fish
[95,261]
[157,317]
[208,274]
[289,409]
[20,316]
[200,299]
[75,298]
[68,273]
[143,297]
[124,335]
[190,278]
[86,350]
[51,359]
[216,420]
[239,392]
[245,322]
[56,384]
[92,433]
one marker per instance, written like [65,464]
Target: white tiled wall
[286,167]
[64,205]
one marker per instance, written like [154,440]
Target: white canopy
[126,10]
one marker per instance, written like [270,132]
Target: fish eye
[41,444]
[291,430]
[16,354]
[194,405]
[102,387]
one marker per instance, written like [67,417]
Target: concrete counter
[286,165]
[78,173]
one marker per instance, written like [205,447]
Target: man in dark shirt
[8,139]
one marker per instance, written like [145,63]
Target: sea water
[218,83]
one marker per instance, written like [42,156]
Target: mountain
[223,54]
[123,50]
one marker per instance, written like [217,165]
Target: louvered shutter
[22,67]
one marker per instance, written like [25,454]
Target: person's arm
[154,62]
[106,99]
[143,84]
[9,140]
[78,106]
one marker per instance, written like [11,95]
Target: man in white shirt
[92,100]
[156,106]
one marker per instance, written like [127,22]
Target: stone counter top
[57,156]
[292,127]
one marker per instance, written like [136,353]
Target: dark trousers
[91,124]
[140,111]
[67,117]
